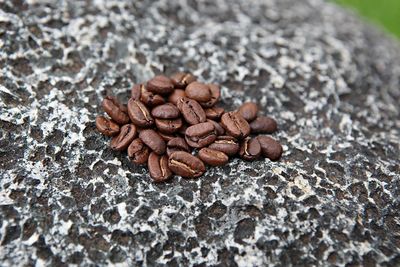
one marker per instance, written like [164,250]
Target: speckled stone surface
[331,82]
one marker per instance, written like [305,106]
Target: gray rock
[331,82]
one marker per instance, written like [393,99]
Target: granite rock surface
[332,83]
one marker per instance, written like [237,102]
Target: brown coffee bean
[250,149]
[200,135]
[226,144]
[158,167]
[124,138]
[139,114]
[139,92]
[263,124]
[176,94]
[270,147]
[106,126]
[138,152]
[214,113]
[169,126]
[160,84]
[166,111]
[115,110]
[182,79]
[186,165]
[235,125]
[215,94]
[167,137]
[213,157]
[249,111]
[218,128]
[177,144]
[191,110]
[198,91]
[153,140]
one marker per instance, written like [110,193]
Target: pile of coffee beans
[174,126]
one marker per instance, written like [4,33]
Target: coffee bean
[250,149]
[169,126]
[139,92]
[198,91]
[158,167]
[160,85]
[136,91]
[176,94]
[235,125]
[213,157]
[226,144]
[139,114]
[200,135]
[215,94]
[138,152]
[186,165]
[153,140]
[167,137]
[263,125]
[249,111]
[218,128]
[177,144]
[166,111]
[115,110]
[124,138]
[270,147]
[182,79]
[191,110]
[106,126]
[214,113]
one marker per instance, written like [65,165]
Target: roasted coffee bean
[214,113]
[124,138]
[160,84]
[263,125]
[191,110]
[166,111]
[136,91]
[270,147]
[218,128]
[153,140]
[139,114]
[115,110]
[167,137]
[235,125]
[139,92]
[200,135]
[198,91]
[250,149]
[186,165]
[182,79]
[177,144]
[213,157]
[106,126]
[215,94]
[138,152]
[158,167]
[169,126]
[249,111]
[226,144]
[176,94]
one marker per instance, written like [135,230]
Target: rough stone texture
[331,82]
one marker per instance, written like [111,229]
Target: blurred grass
[383,12]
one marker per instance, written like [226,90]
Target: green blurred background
[383,12]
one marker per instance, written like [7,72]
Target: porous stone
[330,81]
